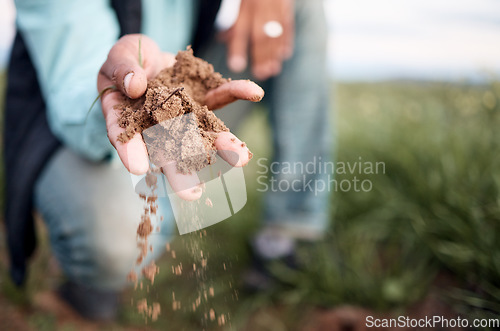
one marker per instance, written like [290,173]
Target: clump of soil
[176,91]
[145,227]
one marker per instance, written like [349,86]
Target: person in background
[60,159]
[282,44]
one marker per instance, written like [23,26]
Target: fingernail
[237,63]
[258,95]
[126,81]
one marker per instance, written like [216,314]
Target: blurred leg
[92,213]
[301,129]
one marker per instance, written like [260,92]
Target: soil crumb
[132,277]
[151,271]
[178,90]
[152,311]
[144,230]
[145,227]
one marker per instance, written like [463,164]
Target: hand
[123,70]
[267,53]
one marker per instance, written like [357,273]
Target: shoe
[260,277]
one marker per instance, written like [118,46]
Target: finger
[123,66]
[232,91]
[133,154]
[262,52]
[266,51]
[237,40]
[186,186]
[237,48]
[233,150]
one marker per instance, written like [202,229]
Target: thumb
[124,69]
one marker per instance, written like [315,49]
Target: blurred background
[415,85]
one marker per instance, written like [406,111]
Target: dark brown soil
[178,90]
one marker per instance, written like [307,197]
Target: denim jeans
[92,211]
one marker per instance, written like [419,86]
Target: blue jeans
[92,213]
[91,209]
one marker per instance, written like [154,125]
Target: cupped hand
[267,52]
[129,71]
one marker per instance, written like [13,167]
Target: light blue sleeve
[68,41]
[170,23]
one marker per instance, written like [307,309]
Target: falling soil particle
[152,311]
[142,306]
[151,271]
[221,320]
[177,270]
[145,227]
[155,311]
[132,277]
[143,249]
[151,179]
[188,140]
[212,315]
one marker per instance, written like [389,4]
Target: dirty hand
[123,70]
[267,27]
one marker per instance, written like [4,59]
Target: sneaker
[268,248]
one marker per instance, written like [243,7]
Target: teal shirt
[68,41]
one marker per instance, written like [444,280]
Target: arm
[68,41]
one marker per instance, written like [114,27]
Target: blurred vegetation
[438,206]
[435,211]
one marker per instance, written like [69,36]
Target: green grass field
[435,211]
